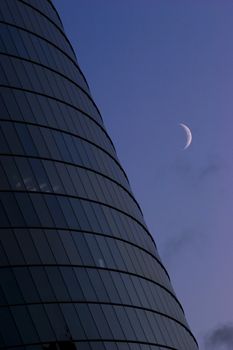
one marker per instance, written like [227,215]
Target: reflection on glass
[101,263]
[29,184]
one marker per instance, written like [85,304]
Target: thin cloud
[221,338]
[210,169]
[197,175]
[184,241]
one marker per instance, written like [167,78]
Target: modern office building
[79,269]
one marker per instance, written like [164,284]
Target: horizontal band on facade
[101,234]
[121,341]
[82,199]
[97,234]
[60,162]
[92,267]
[25,122]
[47,68]
[53,71]
[56,194]
[76,166]
[43,38]
[58,48]
[107,303]
[68,104]
[68,133]
[55,25]
[60,130]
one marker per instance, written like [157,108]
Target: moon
[188,135]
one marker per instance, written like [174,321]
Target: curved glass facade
[79,269]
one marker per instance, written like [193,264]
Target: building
[79,269]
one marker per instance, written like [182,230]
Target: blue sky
[152,64]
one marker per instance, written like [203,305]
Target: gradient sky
[152,64]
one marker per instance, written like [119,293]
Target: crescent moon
[188,135]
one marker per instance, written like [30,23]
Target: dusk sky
[150,65]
